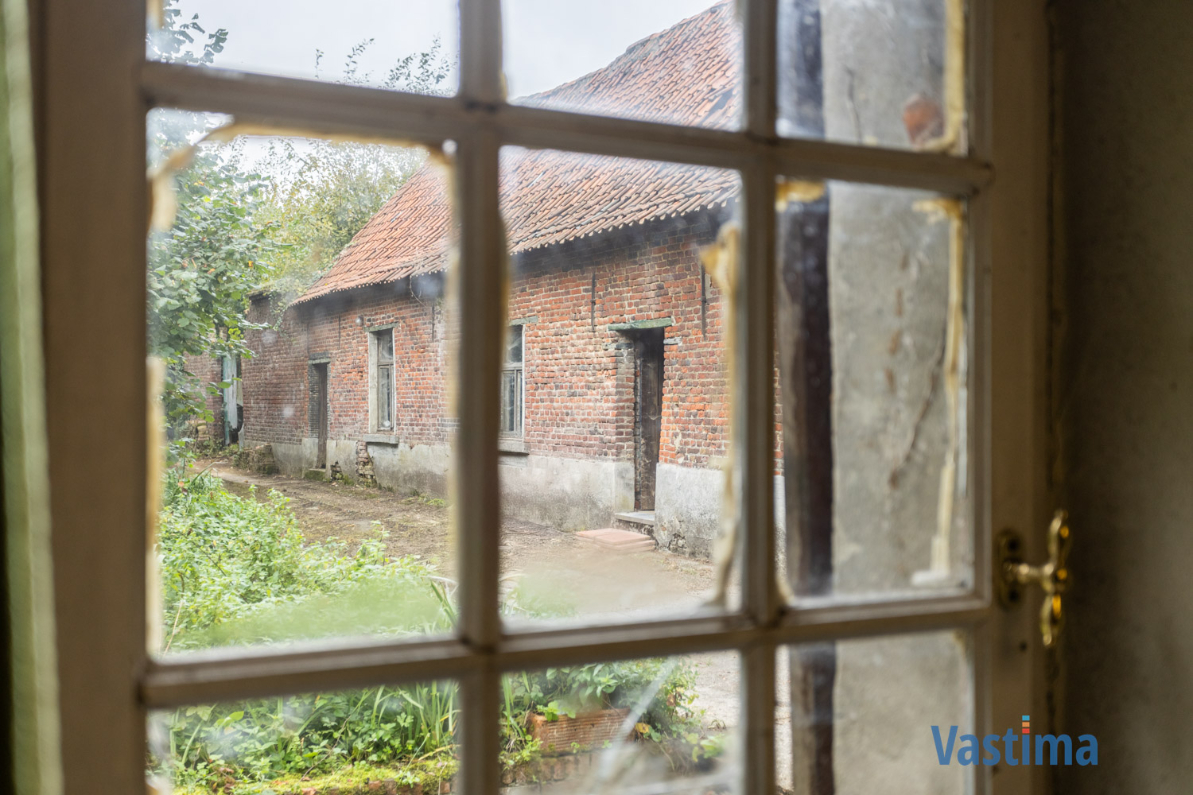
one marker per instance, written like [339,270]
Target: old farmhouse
[614,395]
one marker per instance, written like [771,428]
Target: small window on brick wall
[511,384]
[383,382]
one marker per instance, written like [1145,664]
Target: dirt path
[548,565]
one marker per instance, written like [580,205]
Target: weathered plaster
[1127,389]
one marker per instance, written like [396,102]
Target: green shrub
[236,571]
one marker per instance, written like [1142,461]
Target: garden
[236,570]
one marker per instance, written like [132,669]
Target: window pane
[873,480]
[511,404]
[612,507]
[857,716]
[677,61]
[882,73]
[385,396]
[657,725]
[300,521]
[402,737]
[513,350]
[400,46]
[385,346]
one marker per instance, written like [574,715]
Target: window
[511,384]
[383,379]
[94,257]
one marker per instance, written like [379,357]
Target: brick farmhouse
[614,395]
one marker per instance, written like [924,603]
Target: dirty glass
[879,73]
[404,46]
[387,739]
[857,716]
[673,61]
[613,500]
[661,725]
[311,501]
[873,488]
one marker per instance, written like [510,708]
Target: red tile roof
[687,74]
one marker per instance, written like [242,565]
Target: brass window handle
[1011,573]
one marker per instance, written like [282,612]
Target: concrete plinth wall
[292,458]
[566,493]
[407,468]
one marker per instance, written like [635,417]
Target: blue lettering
[1054,744]
[1088,755]
[992,755]
[944,753]
[1008,741]
[968,754]
[1050,749]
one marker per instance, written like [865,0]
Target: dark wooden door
[319,414]
[648,415]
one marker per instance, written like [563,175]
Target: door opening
[318,412]
[648,414]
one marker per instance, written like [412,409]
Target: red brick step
[617,540]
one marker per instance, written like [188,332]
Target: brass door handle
[1011,573]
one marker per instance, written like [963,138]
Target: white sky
[547,42]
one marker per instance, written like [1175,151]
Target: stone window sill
[381,438]
[512,447]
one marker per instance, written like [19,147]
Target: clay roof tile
[687,74]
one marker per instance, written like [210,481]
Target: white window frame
[518,370]
[375,368]
[89,64]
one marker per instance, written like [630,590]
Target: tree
[202,271]
[175,41]
[324,192]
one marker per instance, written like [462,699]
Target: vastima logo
[1015,749]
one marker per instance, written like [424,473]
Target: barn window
[383,378]
[511,384]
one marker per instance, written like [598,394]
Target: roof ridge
[576,81]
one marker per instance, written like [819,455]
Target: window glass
[673,61]
[873,337]
[612,506]
[400,46]
[656,725]
[396,736]
[513,349]
[511,402]
[879,73]
[385,347]
[384,379]
[385,396]
[295,523]
[860,715]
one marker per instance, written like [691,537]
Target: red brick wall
[579,399]
[276,403]
[580,381]
[209,370]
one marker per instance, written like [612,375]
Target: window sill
[512,447]
[381,438]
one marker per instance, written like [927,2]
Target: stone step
[617,540]
[640,518]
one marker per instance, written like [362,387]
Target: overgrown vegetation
[235,570]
